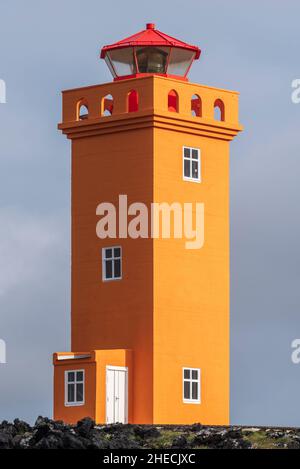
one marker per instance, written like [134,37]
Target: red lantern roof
[150,52]
[151,37]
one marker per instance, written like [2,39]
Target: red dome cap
[151,37]
[150,52]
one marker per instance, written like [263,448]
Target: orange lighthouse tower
[149,316]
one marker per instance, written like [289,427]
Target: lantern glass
[122,61]
[180,61]
[152,59]
[109,64]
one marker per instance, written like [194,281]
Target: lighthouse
[150,318]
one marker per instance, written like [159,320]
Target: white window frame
[191,380]
[104,258]
[74,403]
[186,178]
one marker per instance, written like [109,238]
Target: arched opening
[133,101]
[107,105]
[173,101]
[196,106]
[82,110]
[219,110]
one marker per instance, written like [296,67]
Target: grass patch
[261,440]
[163,441]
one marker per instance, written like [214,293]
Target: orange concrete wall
[172,306]
[115,314]
[104,358]
[72,414]
[94,385]
[191,287]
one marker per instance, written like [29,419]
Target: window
[191,164]
[152,59]
[111,263]
[74,387]
[180,61]
[121,61]
[191,385]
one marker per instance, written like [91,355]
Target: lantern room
[150,52]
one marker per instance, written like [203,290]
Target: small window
[191,386]
[74,387]
[111,263]
[191,164]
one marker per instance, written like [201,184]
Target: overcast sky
[252,47]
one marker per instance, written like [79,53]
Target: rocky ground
[49,434]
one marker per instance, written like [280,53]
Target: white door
[116,394]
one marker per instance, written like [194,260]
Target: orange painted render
[171,308]
[95,376]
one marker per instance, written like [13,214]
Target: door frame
[117,368]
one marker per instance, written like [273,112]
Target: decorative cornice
[141,120]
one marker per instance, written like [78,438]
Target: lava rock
[74,442]
[49,442]
[123,442]
[196,427]
[146,432]
[275,433]
[98,443]
[6,441]
[208,437]
[42,431]
[85,426]
[21,427]
[7,427]
[179,442]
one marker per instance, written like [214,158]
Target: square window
[195,167]
[108,253]
[79,392]
[195,154]
[117,268]
[187,389]
[195,390]
[112,263]
[191,164]
[186,152]
[191,385]
[187,168]
[74,388]
[117,252]
[108,269]
[71,392]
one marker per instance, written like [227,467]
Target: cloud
[25,244]
[34,306]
